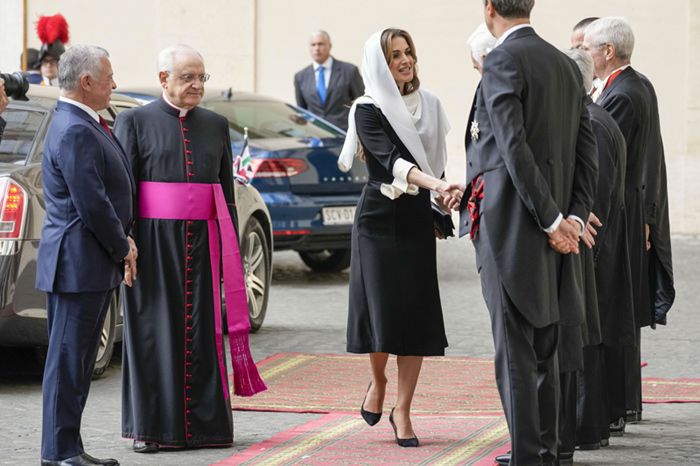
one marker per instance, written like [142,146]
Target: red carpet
[671,390]
[323,383]
[346,439]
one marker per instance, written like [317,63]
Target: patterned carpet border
[325,383]
[346,439]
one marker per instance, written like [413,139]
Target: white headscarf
[423,134]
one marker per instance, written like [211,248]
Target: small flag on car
[242,166]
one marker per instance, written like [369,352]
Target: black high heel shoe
[402,442]
[369,417]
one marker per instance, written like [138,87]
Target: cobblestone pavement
[307,313]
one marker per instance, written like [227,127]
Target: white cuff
[400,185]
[397,188]
[554,225]
[401,169]
[580,222]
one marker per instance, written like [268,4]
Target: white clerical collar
[326,64]
[510,31]
[183,111]
[81,106]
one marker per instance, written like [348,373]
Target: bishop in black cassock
[175,392]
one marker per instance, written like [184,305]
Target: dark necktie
[321,85]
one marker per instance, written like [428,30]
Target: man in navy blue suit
[85,251]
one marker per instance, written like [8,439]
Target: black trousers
[567,411]
[75,325]
[592,410]
[633,374]
[527,373]
[615,380]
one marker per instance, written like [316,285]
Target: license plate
[338,215]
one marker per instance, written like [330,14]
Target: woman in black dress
[394,297]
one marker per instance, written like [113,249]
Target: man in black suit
[84,251]
[328,86]
[624,95]
[532,171]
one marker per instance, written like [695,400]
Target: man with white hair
[480,43]
[175,385]
[610,42]
[84,251]
[328,86]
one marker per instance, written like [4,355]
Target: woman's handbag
[442,222]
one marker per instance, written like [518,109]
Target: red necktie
[612,78]
[103,123]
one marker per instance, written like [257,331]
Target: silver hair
[166,57]
[613,30]
[320,32]
[480,43]
[510,9]
[78,61]
[585,65]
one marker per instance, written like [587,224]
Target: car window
[270,119]
[20,132]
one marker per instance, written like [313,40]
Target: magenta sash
[199,201]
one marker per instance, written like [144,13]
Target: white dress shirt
[81,106]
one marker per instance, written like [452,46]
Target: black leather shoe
[145,447]
[588,446]
[402,442]
[566,457]
[604,442]
[504,460]
[80,460]
[369,417]
[632,416]
[617,428]
[103,461]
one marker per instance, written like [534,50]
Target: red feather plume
[52,28]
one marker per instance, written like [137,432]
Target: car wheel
[326,260]
[107,336]
[255,255]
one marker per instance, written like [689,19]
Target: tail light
[278,168]
[14,201]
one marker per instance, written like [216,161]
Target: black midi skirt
[394,300]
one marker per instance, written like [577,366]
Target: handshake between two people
[449,195]
[130,268]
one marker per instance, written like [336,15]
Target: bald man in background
[328,86]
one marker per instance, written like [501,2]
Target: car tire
[257,272]
[326,260]
[107,337]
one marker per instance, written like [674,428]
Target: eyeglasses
[188,78]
